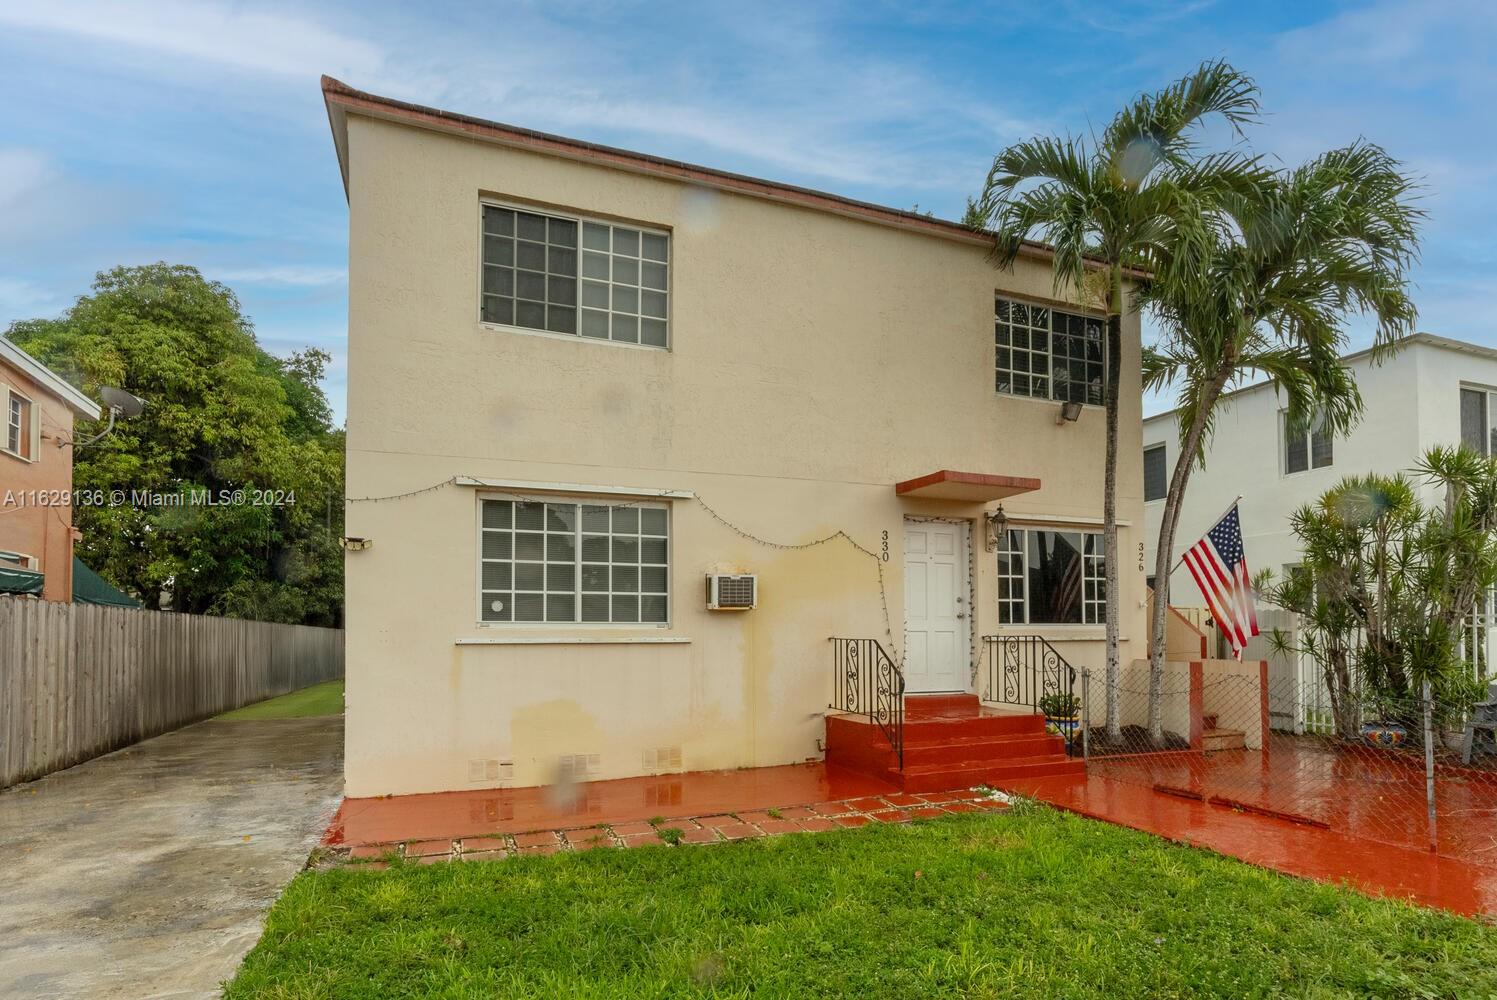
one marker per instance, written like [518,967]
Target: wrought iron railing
[867,681]
[1025,671]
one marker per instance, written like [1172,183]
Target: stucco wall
[41,531]
[815,361]
[1412,403]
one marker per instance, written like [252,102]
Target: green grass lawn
[319,699]
[1032,903]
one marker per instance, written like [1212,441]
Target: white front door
[935,606]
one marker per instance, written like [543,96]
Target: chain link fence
[1414,771]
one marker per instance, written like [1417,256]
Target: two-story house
[632,441]
[36,475]
[1433,391]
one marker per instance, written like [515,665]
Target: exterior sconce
[997,524]
[1070,412]
[351,544]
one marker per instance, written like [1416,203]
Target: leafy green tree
[1139,195]
[1299,251]
[222,414]
[1386,585]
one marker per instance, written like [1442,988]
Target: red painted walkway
[517,810]
[1296,849]
[1362,792]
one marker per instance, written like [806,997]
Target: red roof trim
[336,92]
[1016,483]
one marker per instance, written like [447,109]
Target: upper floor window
[1307,444]
[18,426]
[1048,354]
[1051,578]
[1156,478]
[573,562]
[1477,431]
[574,276]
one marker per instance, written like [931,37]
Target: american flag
[1220,569]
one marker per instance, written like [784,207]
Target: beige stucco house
[582,382]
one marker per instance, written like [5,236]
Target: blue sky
[195,132]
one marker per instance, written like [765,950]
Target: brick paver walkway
[717,829]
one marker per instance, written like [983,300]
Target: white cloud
[288,274]
[22,172]
[230,35]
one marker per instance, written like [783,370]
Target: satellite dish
[121,402]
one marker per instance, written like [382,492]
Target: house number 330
[885,554]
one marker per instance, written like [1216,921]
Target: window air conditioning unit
[732,593]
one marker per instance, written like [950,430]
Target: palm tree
[1300,251]
[1136,196]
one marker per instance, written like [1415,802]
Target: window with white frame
[575,276]
[570,562]
[1156,475]
[18,429]
[1050,577]
[1307,444]
[1477,432]
[1048,354]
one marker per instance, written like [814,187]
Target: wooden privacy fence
[79,680]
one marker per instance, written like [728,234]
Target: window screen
[1046,353]
[572,276]
[1156,480]
[573,562]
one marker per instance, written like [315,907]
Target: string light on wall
[364,543]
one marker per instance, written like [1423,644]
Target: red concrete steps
[950,741]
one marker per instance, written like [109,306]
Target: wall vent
[488,769]
[660,759]
[732,592]
[578,766]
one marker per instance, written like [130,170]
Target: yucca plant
[1387,584]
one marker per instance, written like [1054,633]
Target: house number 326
[1140,557]
[885,554]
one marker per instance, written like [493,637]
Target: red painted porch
[950,741]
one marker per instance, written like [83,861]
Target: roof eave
[48,379]
[340,99]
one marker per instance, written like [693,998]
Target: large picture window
[573,562]
[1051,578]
[575,276]
[1048,354]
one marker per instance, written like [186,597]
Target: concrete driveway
[147,872]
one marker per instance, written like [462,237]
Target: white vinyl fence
[79,680]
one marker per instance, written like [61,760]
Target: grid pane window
[1051,578]
[1047,354]
[14,423]
[592,279]
[570,562]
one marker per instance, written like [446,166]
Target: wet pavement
[148,872]
[1295,848]
[519,810]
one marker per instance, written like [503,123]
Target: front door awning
[967,487]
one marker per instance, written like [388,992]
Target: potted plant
[1063,711]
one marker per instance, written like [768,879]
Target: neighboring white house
[1434,391]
